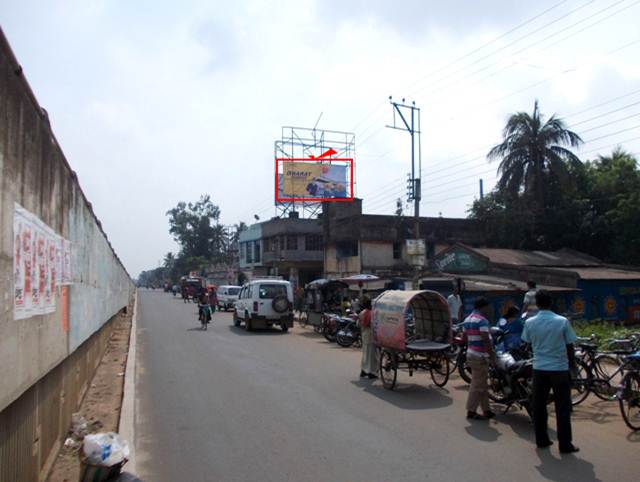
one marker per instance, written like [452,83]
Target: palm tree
[532,154]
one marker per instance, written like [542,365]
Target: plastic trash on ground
[105,449]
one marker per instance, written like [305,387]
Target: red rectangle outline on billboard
[316,199]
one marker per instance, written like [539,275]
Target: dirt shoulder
[102,403]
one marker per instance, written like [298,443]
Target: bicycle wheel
[388,369]
[439,368]
[607,376]
[580,383]
[629,399]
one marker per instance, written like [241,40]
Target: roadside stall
[413,331]
[321,297]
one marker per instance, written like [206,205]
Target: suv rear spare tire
[280,304]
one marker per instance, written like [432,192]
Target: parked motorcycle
[511,379]
[511,382]
[349,333]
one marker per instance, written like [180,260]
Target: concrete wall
[36,175]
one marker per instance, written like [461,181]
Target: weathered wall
[36,175]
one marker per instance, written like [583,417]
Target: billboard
[313,180]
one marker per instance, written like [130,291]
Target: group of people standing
[551,338]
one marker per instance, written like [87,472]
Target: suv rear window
[270,291]
[233,291]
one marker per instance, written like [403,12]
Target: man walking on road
[551,337]
[479,354]
[455,305]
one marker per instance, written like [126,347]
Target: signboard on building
[459,260]
[416,247]
[314,180]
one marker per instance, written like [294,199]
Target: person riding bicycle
[204,310]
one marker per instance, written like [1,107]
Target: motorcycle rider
[480,354]
[551,337]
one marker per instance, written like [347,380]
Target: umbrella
[360,278]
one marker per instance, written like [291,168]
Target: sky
[156,102]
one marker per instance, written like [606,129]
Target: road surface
[227,405]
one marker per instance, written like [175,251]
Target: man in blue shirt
[551,337]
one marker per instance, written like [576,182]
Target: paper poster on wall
[38,264]
[22,263]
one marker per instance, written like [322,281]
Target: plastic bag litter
[78,425]
[105,449]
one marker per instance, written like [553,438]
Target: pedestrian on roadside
[551,337]
[529,307]
[355,305]
[480,354]
[213,299]
[455,305]
[369,363]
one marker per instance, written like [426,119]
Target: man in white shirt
[529,307]
[455,305]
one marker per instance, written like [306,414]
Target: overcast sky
[156,101]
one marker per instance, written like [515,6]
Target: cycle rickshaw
[412,330]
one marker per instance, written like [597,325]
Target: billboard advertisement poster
[38,255]
[314,180]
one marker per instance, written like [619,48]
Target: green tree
[612,197]
[196,229]
[532,154]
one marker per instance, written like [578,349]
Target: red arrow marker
[328,153]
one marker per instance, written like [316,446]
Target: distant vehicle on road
[227,296]
[264,303]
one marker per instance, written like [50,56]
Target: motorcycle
[511,379]
[349,333]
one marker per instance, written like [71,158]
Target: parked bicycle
[597,372]
[629,391]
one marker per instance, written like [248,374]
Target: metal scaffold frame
[303,142]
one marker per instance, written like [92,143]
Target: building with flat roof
[377,244]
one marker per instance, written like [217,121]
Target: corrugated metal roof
[537,258]
[604,273]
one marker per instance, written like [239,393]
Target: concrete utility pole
[414,189]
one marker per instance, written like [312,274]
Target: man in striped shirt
[479,354]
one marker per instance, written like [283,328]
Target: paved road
[226,405]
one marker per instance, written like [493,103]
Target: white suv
[227,296]
[264,303]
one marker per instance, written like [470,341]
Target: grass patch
[604,330]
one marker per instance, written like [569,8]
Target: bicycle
[629,392]
[595,372]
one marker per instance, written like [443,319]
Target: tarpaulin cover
[401,317]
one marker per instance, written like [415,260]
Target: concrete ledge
[127,414]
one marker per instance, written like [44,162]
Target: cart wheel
[439,368]
[388,369]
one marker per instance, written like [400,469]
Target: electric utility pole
[410,117]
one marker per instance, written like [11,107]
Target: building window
[243,251]
[268,245]
[347,249]
[292,242]
[313,242]
[249,252]
[397,250]
[256,251]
